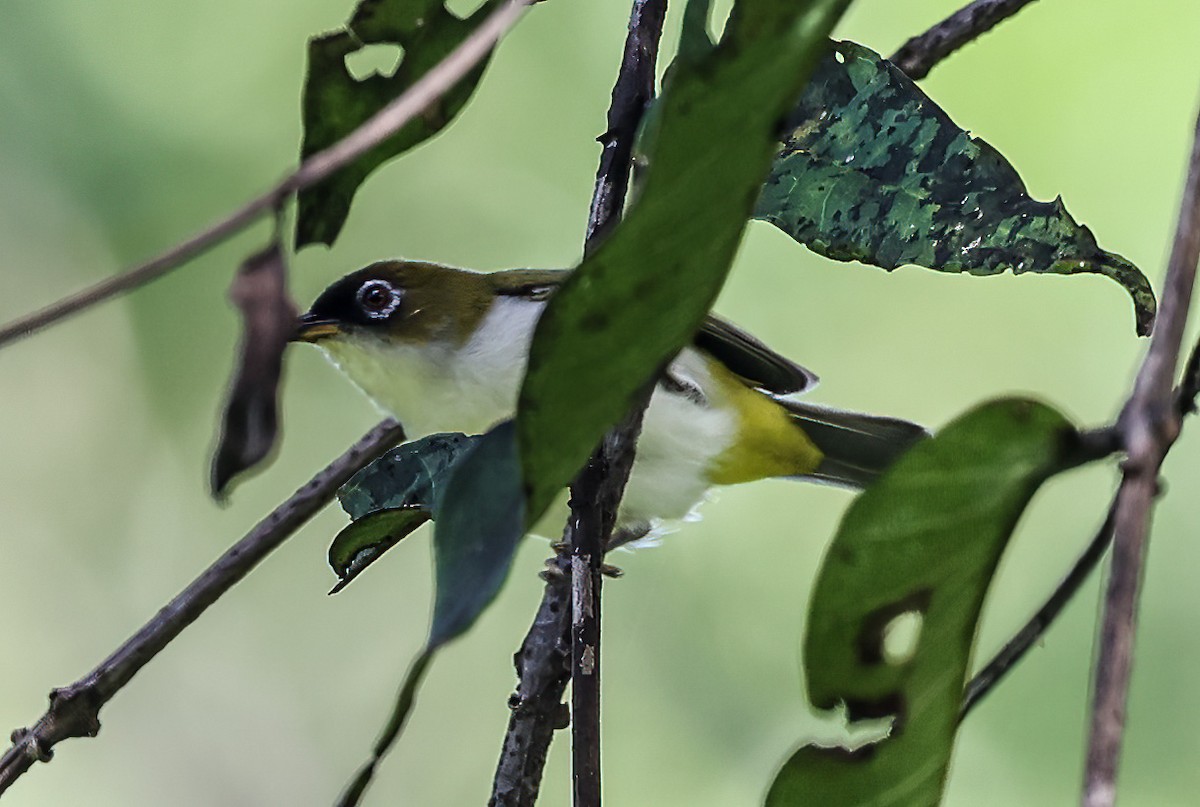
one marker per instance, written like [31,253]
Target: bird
[444,349]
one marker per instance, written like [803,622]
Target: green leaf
[479,522]
[335,103]
[874,171]
[471,486]
[390,498]
[364,541]
[630,306]
[414,473]
[925,539]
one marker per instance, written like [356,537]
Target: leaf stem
[371,133]
[74,709]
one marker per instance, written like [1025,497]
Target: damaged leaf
[874,171]
[918,549]
[390,498]
[480,518]
[250,423]
[335,103]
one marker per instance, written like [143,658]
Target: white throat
[444,388]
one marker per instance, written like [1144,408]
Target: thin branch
[542,663]
[1093,445]
[920,54]
[371,133]
[543,669]
[631,95]
[74,709]
[596,493]
[1149,425]
[986,680]
[595,499]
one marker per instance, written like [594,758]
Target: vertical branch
[564,640]
[596,493]
[1149,425]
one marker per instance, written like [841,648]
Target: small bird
[444,350]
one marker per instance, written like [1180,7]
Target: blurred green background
[125,127]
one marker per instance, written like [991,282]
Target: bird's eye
[378,298]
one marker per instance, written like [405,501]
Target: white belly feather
[469,388]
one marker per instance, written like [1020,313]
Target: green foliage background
[126,126]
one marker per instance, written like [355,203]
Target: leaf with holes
[335,103]
[874,171]
[712,144]
[390,498]
[924,540]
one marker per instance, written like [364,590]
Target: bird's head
[397,303]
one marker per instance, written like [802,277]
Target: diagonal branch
[74,709]
[1149,426]
[371,133]
[920,54]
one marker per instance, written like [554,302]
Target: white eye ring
[384,311]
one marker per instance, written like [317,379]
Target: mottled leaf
[920,545]
[874,171]
[390,498]
[250,423]
[335,103]
[414,473]
[712,144]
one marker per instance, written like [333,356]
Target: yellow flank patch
[767,442]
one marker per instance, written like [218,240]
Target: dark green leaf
[390,498]
[480,520]
[472,487]
[414,473]
[925,539]
[335,103]
[641,296]
[365,540]
[874,171]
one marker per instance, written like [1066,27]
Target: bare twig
[596,493]
[1093,445]
[542,667]
[1149,425]
[986,680]
[920,54]
[74,709]
[595,498]
[371,133]
[631,95]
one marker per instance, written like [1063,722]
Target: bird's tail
[857,447]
